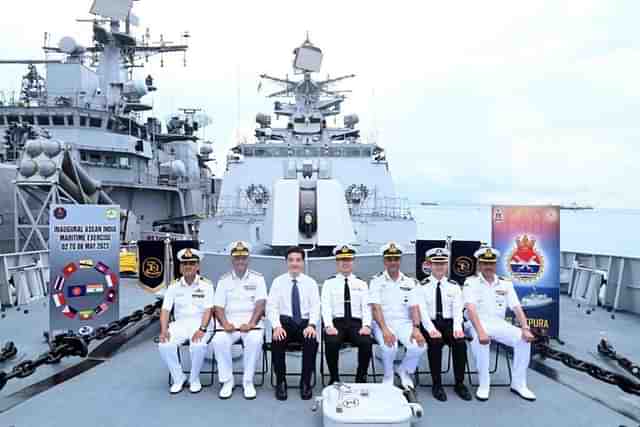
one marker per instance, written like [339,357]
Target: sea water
[601,231]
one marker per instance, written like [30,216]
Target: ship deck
[130,388]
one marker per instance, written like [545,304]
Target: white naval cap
[391,250]
[344,251]
[437,255]
[487,254]
[239,248]
[189,254]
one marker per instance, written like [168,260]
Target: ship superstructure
[81,134]
[308,183]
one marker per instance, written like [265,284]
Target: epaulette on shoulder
[376,275]
[256,273]
[506,279]
[425,280]
[205,280]
[453,282]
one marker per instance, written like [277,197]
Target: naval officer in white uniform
[240,300]
[437,304]
[389,294]
[346,314]
[191,299]
[486,298]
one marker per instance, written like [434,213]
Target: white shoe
[227,390]
[195,387]
[387,380]
[482,393]
[405,379]
[249,391]
[524,393]
[177,386]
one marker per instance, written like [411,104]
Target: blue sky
[500,101]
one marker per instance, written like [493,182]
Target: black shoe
[462,391]
[281,391]
[438,393]
[306,392]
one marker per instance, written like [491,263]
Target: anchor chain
[541,347]
[70,344]
[606,349]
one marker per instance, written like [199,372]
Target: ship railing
[69,99]
[382,207]
[582,275]
[229,206]
[24,277]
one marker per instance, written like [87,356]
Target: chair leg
[373,368]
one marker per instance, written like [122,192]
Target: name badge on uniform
[405,288]
[501,292]
[250,287]
[198,294]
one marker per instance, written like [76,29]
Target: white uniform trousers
[222,342]
[507,334]
[402,330]
[179,331]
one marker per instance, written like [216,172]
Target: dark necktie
[347,300]
[438,302]
[295,303]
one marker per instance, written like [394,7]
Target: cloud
[498,100]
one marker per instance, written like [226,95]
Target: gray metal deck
[130,389]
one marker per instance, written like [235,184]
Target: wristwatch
[202,329]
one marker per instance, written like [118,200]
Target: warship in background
[78,135]
[308,183]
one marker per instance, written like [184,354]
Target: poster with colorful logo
[528,238]
[84,248]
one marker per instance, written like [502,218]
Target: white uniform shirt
[238,295]
[491,299]
[392,295]
[424,296]
[189,302]
[333,299]
[279,300]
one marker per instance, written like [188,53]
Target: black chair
[346,345]
[493,370]
[428,371]
[185,343]
[258,373]
[187,371]
[292,347]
